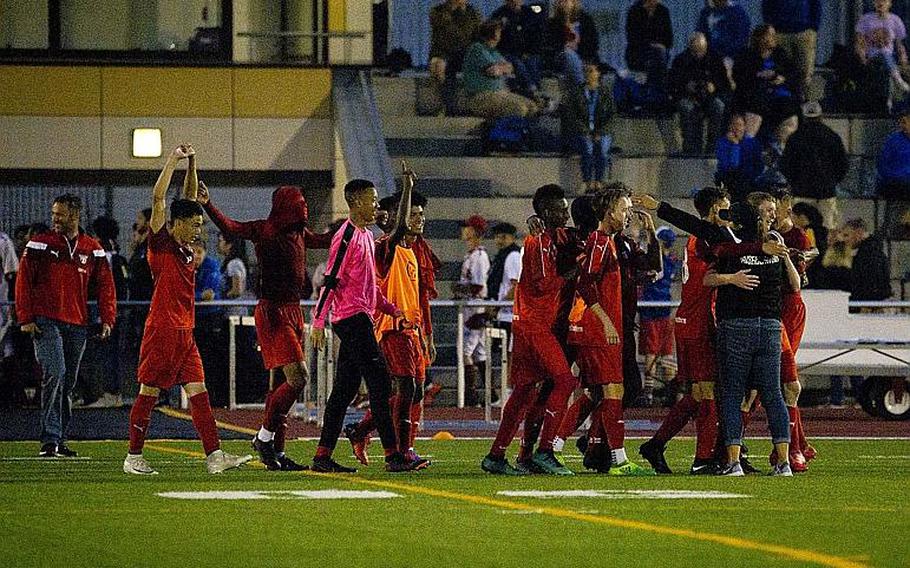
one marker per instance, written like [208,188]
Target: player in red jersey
[281,243]
[595,324]
[537,354]
[168,355]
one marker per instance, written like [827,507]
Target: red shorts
[788,370]
[279,329]
[656,337]
[536,356]
[793,318]
[169,357]
[600,365]
[403,355]
[695,360]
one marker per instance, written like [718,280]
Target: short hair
[756,198]
[355,187]
[810,211]
[606,199]
[388,203]
[488,29]
[504,229]
[583,214]
[185,208]
[759,31]
[546,192]
[73,202]
[857,225]
[106,228]
[147,213]
[707,197]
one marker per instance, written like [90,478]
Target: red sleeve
[728,250]
[104,284]
[23,297]
[592,268]
[245,230]
[425,313]
[317,240]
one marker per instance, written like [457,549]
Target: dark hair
[185,208]
[605,200]
[387,203]
[759,31]
[544,193]
[583,214]
[488,29]
[504,229]
[38,228]
[238,250]
[73,202]
[810,211]
[706,198]
[147,213]
[417,199]
[355,187]
[106,229]
[857,225]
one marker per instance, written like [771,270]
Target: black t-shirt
[734,302]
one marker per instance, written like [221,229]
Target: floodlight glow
[146,142]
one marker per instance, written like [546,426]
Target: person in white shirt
[9,263]
[473,285]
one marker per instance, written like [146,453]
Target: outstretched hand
[202,196]
[645,201]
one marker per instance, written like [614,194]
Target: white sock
[265,435]
[619,456]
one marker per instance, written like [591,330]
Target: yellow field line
[223,425]
[733,542]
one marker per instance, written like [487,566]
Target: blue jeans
[527,74]
[59,349]
[692,116]
[748,357]
[571,67]
[595,157]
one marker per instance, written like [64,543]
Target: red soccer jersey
[792,308]
[537,295]
[599,282]
[695,315]
[174,273]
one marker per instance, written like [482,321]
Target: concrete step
[441,145]
[430,126]
[437,188]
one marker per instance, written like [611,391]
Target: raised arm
[159,193]
[230,228]
[400,228]
[191,181]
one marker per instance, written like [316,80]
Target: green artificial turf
[849,509]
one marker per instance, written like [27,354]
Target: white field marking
[48,460]
[266,495]
[622,494]
[884,457]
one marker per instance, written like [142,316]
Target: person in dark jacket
[870,274]
[894,176]
[649,39]
[798,22]
[700,87]
[586,116]
[453,25]
[522,29]
[727,27]
[762,73]
[569,17]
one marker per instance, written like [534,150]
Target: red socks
[556,410]
[611,417]
[706,429]
[512,415]
[575,416]
[278,404]
[204,421]
[684,409]
[140,416]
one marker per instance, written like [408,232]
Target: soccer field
[849,510]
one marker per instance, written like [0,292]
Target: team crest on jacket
[83,258]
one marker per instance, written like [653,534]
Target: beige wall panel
[279,144]
[210,136]
[41,142]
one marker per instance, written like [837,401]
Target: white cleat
[219,461]
[136,464]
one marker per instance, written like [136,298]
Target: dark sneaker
[359,444]
[747,466]
[287,464]
[328,465]
[65,451]
[731,470]
[598,458]
[396,463]
[549,464]
[416,461]
[653,451]
[781,470]
[500,466]
[704,467]
[266,451]
[528,465]
[48,451]
[582,444]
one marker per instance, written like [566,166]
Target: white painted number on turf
[621,494]
[264,495]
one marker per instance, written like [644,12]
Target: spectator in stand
[453,25]
[870,272]
[726,26]
[570,23]
[894,176]
[797,22]
[234,273]
[879,44]
[762,74]
[485,71]
[472,285]
[588,111]
[522,29]
[649,39]
[56,272]
[209,330]
[807,217]
[739,159]
[781,124]
[140,282]
[814,161]
[655,340]
[701,88]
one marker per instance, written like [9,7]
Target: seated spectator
[880,45]
[775,133]
[572,25]
[870,273]
[485,70]
[649,38]
[836,263]
[726,26]
[699,86]
[853,89]
[739,159]
[815,161]
[797,21]
[894,176]
[453,25]
[587,113]
[522,29]
[762,74]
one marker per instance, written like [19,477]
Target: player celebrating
[168,355]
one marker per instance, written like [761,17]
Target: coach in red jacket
[57,270]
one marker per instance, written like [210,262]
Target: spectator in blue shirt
[208,280]
[727,27]
[894,177]
[796,22]
[739,159]
[655,339]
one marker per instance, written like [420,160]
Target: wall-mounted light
[146,142]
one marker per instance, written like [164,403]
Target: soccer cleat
[328,465]
[558,445]
[582,444]
[501,466]
[549,464]
[136,464]
[746,465]
[529,466]
[704,467]
[732,470]
[359,444]
[64,451]
[48,451]
[809,453]
[397,463]
[418,463]
[267,456]
[598,457]
[430,394]
[653,451]
[219,461]
[287,464]
[631,469]
[781,470]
